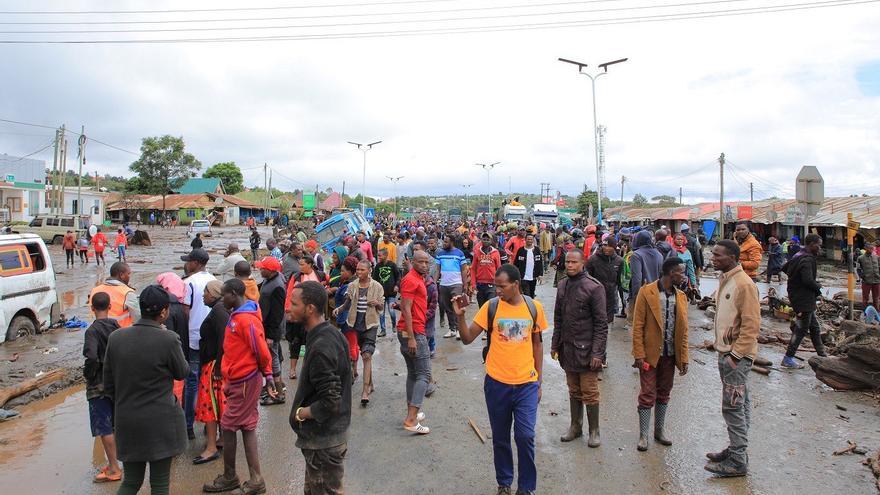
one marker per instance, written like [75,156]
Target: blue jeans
[386,309]
[517,404]
[191,387]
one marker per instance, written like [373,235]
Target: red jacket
[100,242]
[484,265]
[244,346]
[513,244]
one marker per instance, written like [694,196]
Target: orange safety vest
[117,294]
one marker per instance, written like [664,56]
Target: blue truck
[330,231]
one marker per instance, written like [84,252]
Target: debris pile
[856,363]
[140,238]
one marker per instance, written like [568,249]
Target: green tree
[164,165]
[229,174]
[585,199]
[639,200]
[664,200]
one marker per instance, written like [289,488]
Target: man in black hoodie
[803,289]
[605,266]
[272,295]
[321,411]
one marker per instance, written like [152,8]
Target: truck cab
[28,298]
[330,231]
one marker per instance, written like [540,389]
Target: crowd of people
[206,347]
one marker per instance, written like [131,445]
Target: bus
[330,231]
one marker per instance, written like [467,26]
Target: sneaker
[504,490]
[790,363]
[449,334]
[457,336]
[381,333]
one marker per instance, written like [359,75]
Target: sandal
[418,428]
[104,476]
[204,460]
[247,489]
[221,484]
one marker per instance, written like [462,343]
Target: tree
[229,174]
[585,199]
[164,165]
[639,200]
[664,200]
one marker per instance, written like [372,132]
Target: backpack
[493,308]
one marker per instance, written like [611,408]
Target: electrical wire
[51,143]
[697,171]
[385,22]
[469,30]
[71,132]
[227,9]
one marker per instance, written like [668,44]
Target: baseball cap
[197,254]
[153,299]
[685,227]
[270,263]
[609,241]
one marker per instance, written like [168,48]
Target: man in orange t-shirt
[100,242]
[513,373]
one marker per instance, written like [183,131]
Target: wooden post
[851,278]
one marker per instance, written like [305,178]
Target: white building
[93,202]
[22,188]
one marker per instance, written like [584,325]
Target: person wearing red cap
[589,240]
[272,296]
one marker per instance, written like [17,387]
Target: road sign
[810,189]
[852,224]
[10,178]
[370,213]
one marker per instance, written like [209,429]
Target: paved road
[796,427]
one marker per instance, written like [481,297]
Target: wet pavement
[795,428]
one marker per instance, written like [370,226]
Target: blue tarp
[709,228]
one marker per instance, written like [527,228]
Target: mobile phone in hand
[464,301]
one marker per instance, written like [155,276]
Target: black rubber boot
[659,419]
[593,420]
[644,426]
[576,430]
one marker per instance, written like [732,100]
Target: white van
[28,299]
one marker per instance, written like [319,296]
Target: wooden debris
[846,450]
[698,361]
[839,407]
[477,430]
[761,370]
[763,362]
[30,384]
[451,369]
[873,462]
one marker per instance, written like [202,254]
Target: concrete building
[93,202]
[22,188]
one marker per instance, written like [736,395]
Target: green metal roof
[197,185]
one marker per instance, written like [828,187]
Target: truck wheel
[21,326]
[57,240]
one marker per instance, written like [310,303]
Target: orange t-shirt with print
[510,358]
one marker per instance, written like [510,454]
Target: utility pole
[622,181]
[266,189]
[851,277]
[54,175]
[488,168]
[751,191]
[466,186]
[269,195]
[364,148]
[679,197]
[63,169]
[343,195]
[721,202]
[599,171]
[82,161]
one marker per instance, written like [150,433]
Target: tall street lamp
[488,168]
[593,77]
[466,186]
[365,148]
[394,181]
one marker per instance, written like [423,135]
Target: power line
[472,29]
[228,9]
[51,143]
[701,169]
[385,22]
[72,133]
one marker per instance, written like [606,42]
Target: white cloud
[773,92]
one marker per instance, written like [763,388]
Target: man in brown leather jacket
[579,335]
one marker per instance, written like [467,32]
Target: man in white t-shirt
[196,280]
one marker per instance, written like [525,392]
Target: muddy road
[796,426]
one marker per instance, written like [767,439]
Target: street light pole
[466,186]
[488,168]
[394,181]
[593,79]
[364,148]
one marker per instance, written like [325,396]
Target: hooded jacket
[272,296]
[750,252]
[244,346]
[803,289]
[605,269]
[644,263]
[485,265]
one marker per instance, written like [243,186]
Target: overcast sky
[774,91]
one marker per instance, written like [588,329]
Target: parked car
[200,227]
[51,228]
[28,298]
